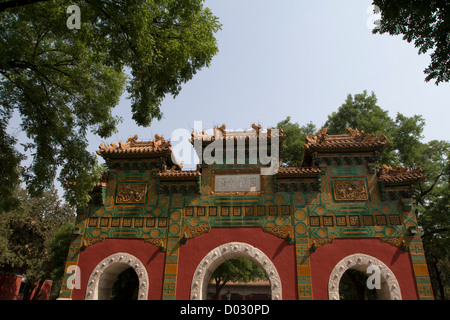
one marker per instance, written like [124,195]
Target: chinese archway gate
[304,226]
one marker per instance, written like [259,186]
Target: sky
[300,59]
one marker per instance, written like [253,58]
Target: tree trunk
[37,293]
[438,278]
[219,287]
[27,291]
[217,291]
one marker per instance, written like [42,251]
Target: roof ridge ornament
[257,128]
[355,133]
[322,134]
[133,139]
[220,131]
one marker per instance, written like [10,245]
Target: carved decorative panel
[350,190]
[131,192]
[279,231]
[192,232]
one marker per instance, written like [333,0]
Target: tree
[58,248]
[361,111]
[236,270]
[27,239]
[65,82]
[435,222]
[424,22]
[292,146]
[9,167]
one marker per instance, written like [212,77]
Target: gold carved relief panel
[131,193]
[350,190]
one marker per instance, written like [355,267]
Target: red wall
[46,289]
[277,250]
[149,255]
[325,258]
[10,285]
[282,255]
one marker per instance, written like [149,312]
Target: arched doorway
[126,286]
[101,281]
[353,286]
[232,250]
[239,279]
[389,288]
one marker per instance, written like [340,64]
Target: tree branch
[424,193]
[17,3]
[122,27]
[38,41]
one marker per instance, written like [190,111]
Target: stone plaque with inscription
[237,183]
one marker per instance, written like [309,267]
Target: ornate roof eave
[176,174]
[354,141]
[298,172]
[158,149]
[135,154]
[399,176]
[176,181]
[134,148]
